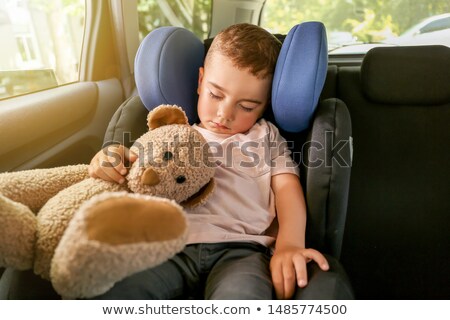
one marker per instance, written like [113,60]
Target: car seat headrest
[416,75]
[299,76]
[168,59]
[166,69]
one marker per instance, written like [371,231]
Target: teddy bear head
[172,159]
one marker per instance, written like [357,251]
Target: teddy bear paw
[17,234]
[112,236]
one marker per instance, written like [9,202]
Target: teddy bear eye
[167,156]
[180,179]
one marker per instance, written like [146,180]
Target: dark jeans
[330,285]
[211,271]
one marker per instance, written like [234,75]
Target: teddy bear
[85,234]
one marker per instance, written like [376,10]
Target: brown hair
[248,47]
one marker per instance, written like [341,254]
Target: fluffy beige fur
[136,244]
[21,195]
[85,234]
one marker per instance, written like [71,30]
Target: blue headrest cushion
[299,76]
[166,69]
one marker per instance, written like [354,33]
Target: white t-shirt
[242,206]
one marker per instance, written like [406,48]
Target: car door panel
[60,126]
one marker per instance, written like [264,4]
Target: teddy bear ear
[200,197]
[165,115]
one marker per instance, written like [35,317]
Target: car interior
[369,131]
[170,50]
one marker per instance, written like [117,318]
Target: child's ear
[201,71]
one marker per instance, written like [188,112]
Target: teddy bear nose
[149,177]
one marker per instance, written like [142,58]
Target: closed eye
[213,96]
[245,108]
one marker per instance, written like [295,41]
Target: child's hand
[288,268]
[109,163]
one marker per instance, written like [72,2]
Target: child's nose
[226,111]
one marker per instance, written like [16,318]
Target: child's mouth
[219,126]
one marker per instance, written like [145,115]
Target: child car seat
[169,58]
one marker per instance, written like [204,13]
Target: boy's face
[231,100]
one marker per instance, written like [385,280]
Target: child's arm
[109,163]
[288,264]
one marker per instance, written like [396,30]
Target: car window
[41,44]
[362,24]
[190,14]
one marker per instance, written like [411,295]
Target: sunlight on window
[363,24]
[194,15]
[41,44]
